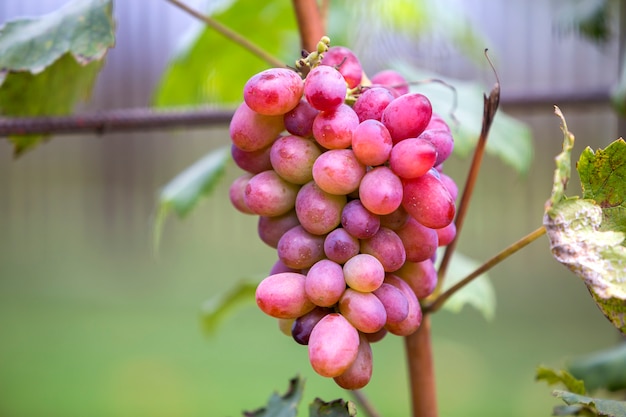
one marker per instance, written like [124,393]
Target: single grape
[437,122]
[271,229]
[333,345]
[371,103]
[421,277]
[338,171]
[325,88]
[267,194]
[392,79]
[395,303]
[428,201]
[300,249]
[282,296]
[279,266]
[318,211]
[346,62]
[381,191]
[412,158]
[236,193]
[420,242]
[303,326]
[371,143]
[299,121]
[407,116]
[292,158]
[413,320]
[387,247]
[253,162]
[358,221]
[284,325]
[251,131]
[363,310]
[339,245]
[363,272]
[395,220]
[324,283]
[333,129]
[446,234]
[450,185]
[359,374]
[442,141]
[274,91]
[376,337]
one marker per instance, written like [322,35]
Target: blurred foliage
[50,62]
[605,369]
[285,405]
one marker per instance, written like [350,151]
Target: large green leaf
[602,369]
[592,406]
[580,238]
[50,62]
[285,405]
[212,69]
[509,139]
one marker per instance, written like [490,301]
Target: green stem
[231,34]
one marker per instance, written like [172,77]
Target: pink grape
[412,158]
[421,277]
[333,129]
[282,296]
[236,193]
[346,62]
[363,310]
[253,162]
[267,194]
[299,121]
[428,201]
[303,326]
[442,141]
[339,245]
[407,116]
[279,267]
[413,320]
[300,249]
[292,157]
[392,79]
[271,229]
[274,91]
[325,88]
[387,247]
[395,303]
[376,337]
[420,242]
[450,185]
[371,143]
[358,221]
[324,283]
[363,272]
[318,211]
[251,131]
[381,191]
[359,373]
[338,171]
[333,345]
[437,122]
[371,103]
[446,234]
[395,220]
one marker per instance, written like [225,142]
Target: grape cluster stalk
[345,175]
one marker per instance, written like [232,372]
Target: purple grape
[372,102]
[303,326]
[339,245]
[300,249]
[299,121]
[318,211]
[358,221]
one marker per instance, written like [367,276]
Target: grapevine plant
[345,171]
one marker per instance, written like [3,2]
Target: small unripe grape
[333,345]
[284,325]
[282,296]
[359,373]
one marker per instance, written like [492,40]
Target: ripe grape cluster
[345,175]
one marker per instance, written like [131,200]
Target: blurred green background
[91,324]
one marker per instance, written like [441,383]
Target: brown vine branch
[310,23]
[231,34]
[419,353]
[502,255]
[114,121]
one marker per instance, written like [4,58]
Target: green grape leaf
[509,139]
[578,238]
[553,377]
[285,405]
[182,193]
[479,293]
[336,408]
[209,68]
[603,369]
[217,308]
[592,406]
[49,63]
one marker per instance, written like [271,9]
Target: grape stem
[421,369]
[502,255]
[231,34]
[310,23]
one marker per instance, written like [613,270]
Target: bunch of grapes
[345,175]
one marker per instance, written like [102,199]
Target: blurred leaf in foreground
[586,235]
[553,377]
[603,369]
[285,405]
[588,406]
[215,310]
[50,62]
[336,408]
